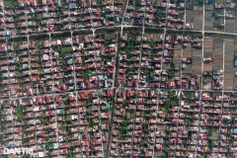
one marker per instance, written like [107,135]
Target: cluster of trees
[64,51]
[130,46]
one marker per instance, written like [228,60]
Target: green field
[9,3]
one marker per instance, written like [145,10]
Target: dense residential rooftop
[122,78]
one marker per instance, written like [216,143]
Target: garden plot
[177,57]
[189,16]
[198,17]
[235,69]
[209,20]
[235,80]
[219,24]
[235,20]
[208,52]
[209,7]
[217,53]
[189,5]
[197,61]
[230,25]
[229,69]
[235,45]
[187,53]
[230,22]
